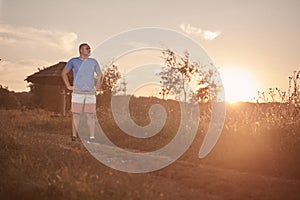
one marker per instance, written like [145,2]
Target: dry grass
[38,160]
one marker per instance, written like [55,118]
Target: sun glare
[239,84]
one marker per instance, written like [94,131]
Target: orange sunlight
[239,84]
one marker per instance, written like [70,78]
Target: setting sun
[239,84]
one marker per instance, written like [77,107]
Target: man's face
[85,50]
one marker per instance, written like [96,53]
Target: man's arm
[99,81]
[64,75]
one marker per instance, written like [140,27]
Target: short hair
[82,45]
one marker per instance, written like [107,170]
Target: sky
[254,44]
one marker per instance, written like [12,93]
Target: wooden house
[53,93]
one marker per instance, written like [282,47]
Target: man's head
[84,50]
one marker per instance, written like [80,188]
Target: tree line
[180,77]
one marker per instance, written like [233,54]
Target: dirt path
[193,180]
[39,161]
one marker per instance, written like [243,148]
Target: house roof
[50,75]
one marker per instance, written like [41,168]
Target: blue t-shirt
[83,71]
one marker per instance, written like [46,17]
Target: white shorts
[83,102]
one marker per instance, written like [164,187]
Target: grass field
[257,157]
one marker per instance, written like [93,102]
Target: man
[83,89]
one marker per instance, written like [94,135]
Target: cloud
[12,74]
[135,44]
[23,35]
[209,35]
[189,29]
[196,31]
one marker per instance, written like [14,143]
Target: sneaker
[92,140]
[74,138]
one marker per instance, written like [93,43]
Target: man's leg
[75,124]
[91,123]
[76,109]
[90,110]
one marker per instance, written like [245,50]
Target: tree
[170,80]
[8,100]
[176,74]
[111,76]
[180,71]
[122,87]
[208,87]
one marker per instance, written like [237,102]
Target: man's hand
[70,87]
[97,89]
[64,75]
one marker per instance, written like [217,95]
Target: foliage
[7,99]
[121,87]
[277,95]
[254,149]
[289,101]
[294,89]
[180,72]
[111,76]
